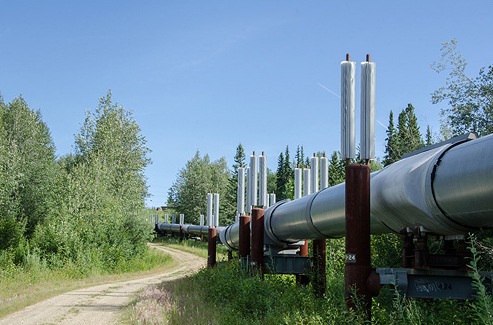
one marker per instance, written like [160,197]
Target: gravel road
[101,304]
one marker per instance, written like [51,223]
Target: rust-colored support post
[320,265]
[244,234]
[303,279]
[257,253]
[182,234]
[211,247]
[358,260]
[304,249]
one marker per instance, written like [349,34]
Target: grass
[34,282]
[229,295]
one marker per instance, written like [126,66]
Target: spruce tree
[392,144]
[415,138]
[284,177]
[428,137]
[336,169]
[280,180]
[228,205]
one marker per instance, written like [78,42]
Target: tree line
[470,109]
[81,208]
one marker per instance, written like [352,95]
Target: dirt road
[100,304]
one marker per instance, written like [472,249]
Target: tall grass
[35,279]
[228,294]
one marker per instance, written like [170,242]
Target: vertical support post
[211,247]
[320,265]
[244,234]
[257,253]
[303,279]
[182,234]
[358,260]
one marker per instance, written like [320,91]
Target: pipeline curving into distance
[447,189]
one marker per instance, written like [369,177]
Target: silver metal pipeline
[187,229]
[447,189]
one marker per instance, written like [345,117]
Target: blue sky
[208,75]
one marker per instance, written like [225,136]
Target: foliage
[483,305]
[229,294]
[229,204]
[35,280]
[336,169]
[300,158]
[470,100]
[100,192]
[199,177]
[408,136]
[392,145]
[284,177]
[27,171]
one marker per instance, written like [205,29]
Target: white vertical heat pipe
[367,134]
[262,164]
[297,183]
[324,172]
[306,181]
[201,222]
[216,209]
[182,219]
[210,222]
[248,202]
[314,174]
[348,109]
[254,179]
[240,202]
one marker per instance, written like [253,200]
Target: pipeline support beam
[211,248]
[244,243]
[358,260]
[320,265]
[257,240]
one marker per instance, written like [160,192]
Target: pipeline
[446,189]
[187,229]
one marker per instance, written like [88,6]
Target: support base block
[432,283]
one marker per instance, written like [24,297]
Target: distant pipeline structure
[445,189]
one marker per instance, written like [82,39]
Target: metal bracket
[432,283]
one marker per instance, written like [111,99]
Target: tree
[428,137]
[229,204]
[408,136]
[336,169]
[200,176]
[102,188]
[392,145]
[300,158]
[470,100]
[28,169]
[111,136]
[284,177]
